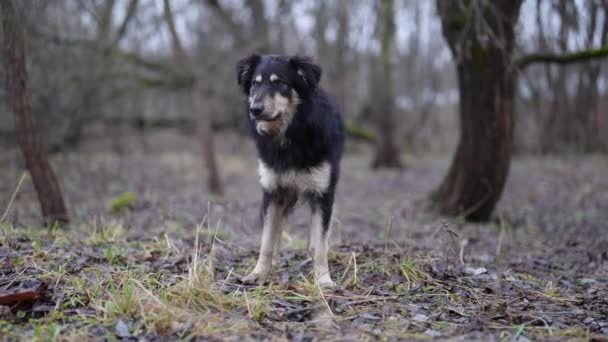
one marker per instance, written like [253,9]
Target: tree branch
[132,57]
[568,58]
[178,48]
[226,17]
[122,30]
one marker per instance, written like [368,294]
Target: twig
[324,300]
[15,278]
[463,244]
[555,298]
[247,303]
[171,245]
[371,300]
[10,202]
[158,301]
[304,309]
[227,277]
[356,269]
[388,234]
[545,323]
[500,237]
[451,234]
[346,269]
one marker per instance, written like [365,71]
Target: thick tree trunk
[387,153]
[486,81]
[20,98]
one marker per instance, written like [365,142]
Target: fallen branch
[22,296]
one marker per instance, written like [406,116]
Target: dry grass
[382,294]
[152,272]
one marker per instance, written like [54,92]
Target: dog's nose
[256,109]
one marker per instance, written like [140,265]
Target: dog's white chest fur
[315,179]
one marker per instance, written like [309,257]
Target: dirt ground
[163,262]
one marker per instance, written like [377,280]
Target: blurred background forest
[447,103]
[102,68]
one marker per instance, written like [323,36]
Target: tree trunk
[260,31]
[205,132]
[387,153]
[341,50]
[20,98]
[486,80]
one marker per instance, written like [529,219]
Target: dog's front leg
[272,219]
[319,236]
[276,249]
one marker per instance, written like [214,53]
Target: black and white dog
[299,135]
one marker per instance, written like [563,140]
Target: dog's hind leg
[319,237]
[276,249]
[286,200]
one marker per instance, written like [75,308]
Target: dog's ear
[308,72]
[244,70]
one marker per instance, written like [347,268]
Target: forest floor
[150,255]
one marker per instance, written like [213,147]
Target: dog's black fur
[313,133]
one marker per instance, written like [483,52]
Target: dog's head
[275,86]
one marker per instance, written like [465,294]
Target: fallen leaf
[122,330]
[475,271]
[420,318]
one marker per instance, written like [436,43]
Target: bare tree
[20,98]
[142,72]
[260,25]
[567,95]
[421,79]
[204,120]
[387,152]
[481,37]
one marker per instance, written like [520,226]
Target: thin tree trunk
[20,98]
[205,132]
[341,72]
[387,152]
[321,22]
[486,82]
[261,33]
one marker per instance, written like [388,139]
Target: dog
[299,136]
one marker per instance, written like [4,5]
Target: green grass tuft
[123,202]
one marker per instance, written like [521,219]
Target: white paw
[254,278]
[325,281]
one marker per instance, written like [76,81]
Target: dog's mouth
[264,118]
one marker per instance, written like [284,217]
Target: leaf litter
[147,272]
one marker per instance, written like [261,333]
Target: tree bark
[486,81]
[387,153]
[20,98]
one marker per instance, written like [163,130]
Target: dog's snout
[256,109]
